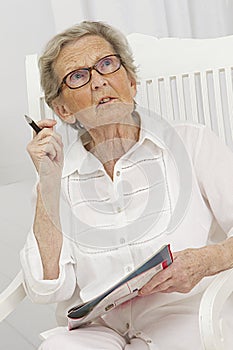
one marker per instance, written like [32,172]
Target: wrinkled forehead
[83,52]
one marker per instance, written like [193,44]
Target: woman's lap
[89,338]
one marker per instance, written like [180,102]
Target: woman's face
[99,100]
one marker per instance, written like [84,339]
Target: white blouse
[173,186]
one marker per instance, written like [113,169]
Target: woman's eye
[107,62]
[77,76]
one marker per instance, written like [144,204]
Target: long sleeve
[214,169]
[47,291]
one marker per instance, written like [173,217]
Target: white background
[25,26]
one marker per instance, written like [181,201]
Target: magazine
[124,290]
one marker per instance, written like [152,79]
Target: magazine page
[124,290]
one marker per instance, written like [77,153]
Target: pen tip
[27,118]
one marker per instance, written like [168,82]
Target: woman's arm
[46,152]
[47,232]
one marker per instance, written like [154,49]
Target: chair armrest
[12,296]
[211,305]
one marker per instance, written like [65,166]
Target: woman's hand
[190,266]
[46,151]
[182,275]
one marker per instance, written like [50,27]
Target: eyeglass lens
[105,65]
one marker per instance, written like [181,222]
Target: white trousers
[91,338]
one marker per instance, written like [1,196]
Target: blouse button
[118,173]
[122,240]
[119,209]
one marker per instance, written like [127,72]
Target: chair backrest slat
[229,96]
[218,102]
[193,97]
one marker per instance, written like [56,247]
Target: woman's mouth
[105,100]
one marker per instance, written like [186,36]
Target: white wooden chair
[181,79]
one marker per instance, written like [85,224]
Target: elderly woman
[107,205]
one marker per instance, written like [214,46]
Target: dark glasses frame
[89,69]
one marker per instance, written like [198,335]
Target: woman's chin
[105,114]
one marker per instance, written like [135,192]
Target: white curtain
[162,18]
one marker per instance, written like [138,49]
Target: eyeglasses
[80,77]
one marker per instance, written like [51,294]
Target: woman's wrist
[218,257]
[48,199]
[49,187]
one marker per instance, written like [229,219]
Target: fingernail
[143,291]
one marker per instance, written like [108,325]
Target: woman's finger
[51,147]
[48,132]
[45,123]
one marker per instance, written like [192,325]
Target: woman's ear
[63,112]
[133,85]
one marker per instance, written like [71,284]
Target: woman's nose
[97,80]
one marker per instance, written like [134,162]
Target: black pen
[34,126]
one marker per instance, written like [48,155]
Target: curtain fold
[179,18]
[162,18]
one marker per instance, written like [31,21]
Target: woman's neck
[110,142]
